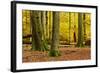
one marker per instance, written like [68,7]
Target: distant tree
[69,25]
[46,24]
[74,30]
[50,25]
[74,33]
[55,35]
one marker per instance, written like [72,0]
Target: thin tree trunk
[46,25]
[74,29]
[69,25]
[43,21]
[50,25]
[84,27]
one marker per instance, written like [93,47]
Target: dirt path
[66,54]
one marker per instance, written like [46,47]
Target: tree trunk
[43,21]
[46,25]
[80,34]
[50,26]
[44,29]
[55,35]
[74,29]
[36,31]
[69,25]
[38,42]
[84,25]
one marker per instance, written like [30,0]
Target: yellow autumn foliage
[68,24]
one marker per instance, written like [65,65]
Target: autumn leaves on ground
[55,36]
[67,54]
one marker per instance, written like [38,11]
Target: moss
[54,53]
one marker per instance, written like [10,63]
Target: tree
[69,25]
[35,31]
[55,35]
[80,33]
[50,25]
[84,25]
[47,25]
[43,22]
[74,34]
[37,42]
[44,29]
[26,26]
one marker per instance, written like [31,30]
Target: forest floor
[67,54]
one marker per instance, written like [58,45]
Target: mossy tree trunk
[37,31]
[55,35]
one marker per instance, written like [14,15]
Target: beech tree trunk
[80,34]
[55,35]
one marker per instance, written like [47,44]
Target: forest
[55,36]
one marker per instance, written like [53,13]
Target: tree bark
[43,21]
[44,29]
[55,35]
[84,25]
[36,30]
[50,26]
[69,25]
[74,29]
[80,34]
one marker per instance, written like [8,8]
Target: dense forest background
[51,31]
